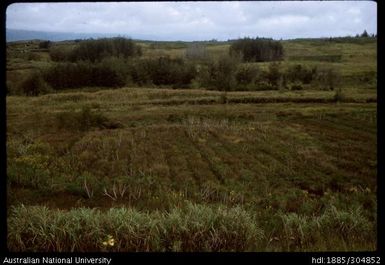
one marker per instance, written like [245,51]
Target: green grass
[191,227]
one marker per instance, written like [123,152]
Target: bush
[44,44]
[139,72]
[220,74]
[247,74]
[34,85]
[59,54]
[258,49]
[119,66]
[84,120]
[162,71]
[327,78]
[274,74]
[73,75]
[296,86]
[299,73]
[96,50]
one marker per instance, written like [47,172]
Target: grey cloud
[199,20]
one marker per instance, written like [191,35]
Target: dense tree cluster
[72,75]
[96,50]
[258,49]
[162,71]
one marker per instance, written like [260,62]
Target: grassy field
[149,169]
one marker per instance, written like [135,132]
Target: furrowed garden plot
[287,164]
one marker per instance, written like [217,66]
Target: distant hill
[20,35]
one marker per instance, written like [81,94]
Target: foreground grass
[189,228]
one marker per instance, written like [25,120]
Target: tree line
[118,62]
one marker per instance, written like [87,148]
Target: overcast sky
[199,20]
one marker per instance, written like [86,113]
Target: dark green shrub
[103,76]
[167,71]
[220,74]
[258,49]
[296,86]
[58,53]
[162,71]
[34,85]
[299,73]
[44,44]
[73,75]
[96,50]
[364,34]
[139,72]
[246,74]
[83,120]
[274,75]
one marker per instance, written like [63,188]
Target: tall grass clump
[334,229]
[205,228]
[192,228]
